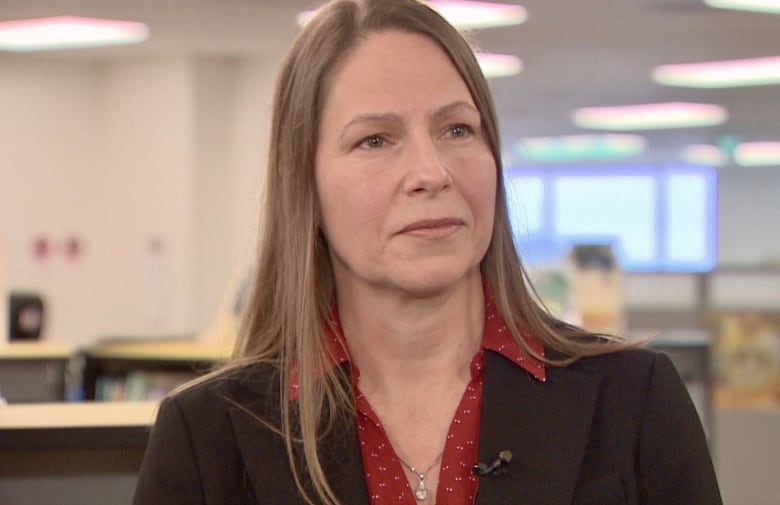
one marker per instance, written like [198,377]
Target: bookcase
[145,370]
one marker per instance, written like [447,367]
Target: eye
[459,130]
[372,142]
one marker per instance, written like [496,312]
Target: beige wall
[155,165]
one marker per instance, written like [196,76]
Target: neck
[402,344]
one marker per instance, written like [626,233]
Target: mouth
[432,228]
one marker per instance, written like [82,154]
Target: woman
[393,352]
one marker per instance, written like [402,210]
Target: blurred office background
[131,178]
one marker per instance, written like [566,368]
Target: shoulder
[200,438]
[630,390]
[255,384]
[633,372]
[640,362]
[635,361]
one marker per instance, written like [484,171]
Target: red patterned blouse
[387,483]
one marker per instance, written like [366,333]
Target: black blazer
[609,430]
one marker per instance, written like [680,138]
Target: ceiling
[575,53]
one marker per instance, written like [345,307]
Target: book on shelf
[139,385]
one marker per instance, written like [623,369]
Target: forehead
[393,68]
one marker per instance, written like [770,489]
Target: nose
[427,173]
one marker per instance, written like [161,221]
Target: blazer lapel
[545,425]
[343,462]
[265,456]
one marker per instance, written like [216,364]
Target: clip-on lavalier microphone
[497,467]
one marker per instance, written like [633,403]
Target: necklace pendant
[421,493]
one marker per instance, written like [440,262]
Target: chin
[430,282]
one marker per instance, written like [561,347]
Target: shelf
[142,369]
[162,350]
[88,425]
[34,350]
[43,416]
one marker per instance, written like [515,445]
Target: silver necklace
[421,491]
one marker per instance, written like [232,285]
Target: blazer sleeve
[675,466]
[169,473]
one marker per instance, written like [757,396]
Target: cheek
[483,202]
[349,211]
[479,187]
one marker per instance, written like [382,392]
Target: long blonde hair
[287,315]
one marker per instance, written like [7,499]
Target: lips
[432,225]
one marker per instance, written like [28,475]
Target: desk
[183,358]
[33,371]
[72,453]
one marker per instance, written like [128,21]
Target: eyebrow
[371,118]
[453,107]
[392,118]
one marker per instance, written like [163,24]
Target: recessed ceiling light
[469,15]
[768,6]
[704,154]
[754,154]
[581,147]
[650,116]
[499,65]
[68,32]
[464,14]
[721,74]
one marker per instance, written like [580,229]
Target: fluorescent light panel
[468,15]
[68,32]
[766,6]
[746,154]
[721,74]
[499,65]
[652,116]
[755,154]
[464,14]
[581,147]
[704,154]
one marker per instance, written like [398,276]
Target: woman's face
[405,178]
